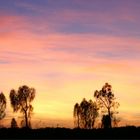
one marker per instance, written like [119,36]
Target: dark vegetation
[21,101]
[84,113]
[130,132]
[2,106]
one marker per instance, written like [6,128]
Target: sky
[67,49]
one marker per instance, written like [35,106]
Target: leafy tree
[2,105]
[21,101]
[106,101]
[14,123]
[92,113]
[85,114]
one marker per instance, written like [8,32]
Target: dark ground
[64,133]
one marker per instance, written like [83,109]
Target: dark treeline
[130,132]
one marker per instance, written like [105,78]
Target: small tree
[2,106]
[116,121]
[14,123]
[106,101]
[21,101]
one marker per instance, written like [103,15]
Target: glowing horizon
[68,49]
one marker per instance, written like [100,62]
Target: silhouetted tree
[85,114]
[92,113]
[106,101]
[2,105]
[76,114]
[21,101]
[14,123]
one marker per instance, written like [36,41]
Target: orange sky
[67,53]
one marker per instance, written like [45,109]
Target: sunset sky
[67,49]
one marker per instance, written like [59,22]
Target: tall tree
[21,101]
[85,114]
[2,105]
[106,100]
[76,115]
[92,113]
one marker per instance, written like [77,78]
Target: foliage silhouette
[76,115]
[14,123]
[85,114]
[106,101]
[21,101]
[2,105]
[106,121]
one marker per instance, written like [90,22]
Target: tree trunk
[110,120]
[26,119]
[26,115]
[78,121]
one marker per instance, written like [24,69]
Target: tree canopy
[2,105]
